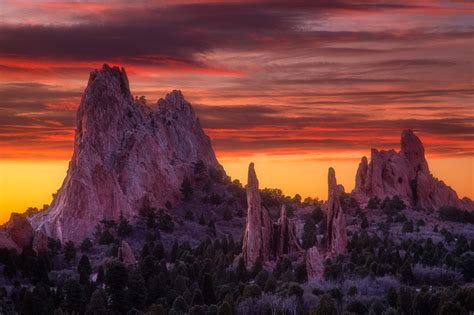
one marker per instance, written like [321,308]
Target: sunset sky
[295,86]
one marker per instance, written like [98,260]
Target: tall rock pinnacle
[126,156]
[257,240]
[405,174]
[286,239]
[336,221]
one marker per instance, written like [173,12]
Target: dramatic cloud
[266,76]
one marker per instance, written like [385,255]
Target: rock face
[262,237]
[40,242]
[125,254]
[126,156]
[406,174]
[314,264]
[257,240]
[286,239]
[336,221]
[19,229]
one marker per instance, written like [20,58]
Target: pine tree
[69,251]
[137,290]
[97,304]
[116,279]
[186,189]
[73,295]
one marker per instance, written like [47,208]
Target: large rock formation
[262,237]
[257,240]
[336,221]
[286,239]
[314,264]
[126,156]
[406,174]
[18,233]
[20,230]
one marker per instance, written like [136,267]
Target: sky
[295,86]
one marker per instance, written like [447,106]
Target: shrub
[407,227]
[456,215]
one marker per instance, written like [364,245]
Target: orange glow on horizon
[32,183]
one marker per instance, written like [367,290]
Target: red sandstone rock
[19,229]
[407,175]
[126,156]
[125,254]
[314,264]
[258,227]
[336,221]
[286,238]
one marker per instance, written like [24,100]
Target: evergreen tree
[73,295]
[309,233]
[86,245]
[124,228]
[116,279]
[69,251]
[97,304]
[208,289]
[326,306]
[137,290]
[186,189]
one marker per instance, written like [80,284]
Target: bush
[456,215]
[407,227]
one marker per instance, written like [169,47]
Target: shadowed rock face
[258,227]
[314,264]
[125,254]
[406,174]
[286,238]
[126,156]
[336,221]
[263,238]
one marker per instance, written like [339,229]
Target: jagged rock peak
[258,232]
[413,149]
[336,221]
[404,174]
[125,157]
[114,77]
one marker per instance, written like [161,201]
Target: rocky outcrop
[257,240]
[40,242]
[286,239]
[126,156]
[336,221]
[19,229]
[405,174]
[314,264]
[125,254]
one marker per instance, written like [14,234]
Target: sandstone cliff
[126,156]
[406,174]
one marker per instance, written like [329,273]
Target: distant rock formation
[314,264]
[125,254]
[19,229]
[257,240]
[405,174]
[262,237]
[18,233]
[336,221]
[126,156]
[285,233]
